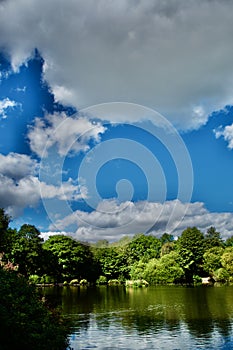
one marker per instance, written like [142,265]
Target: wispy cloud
[5,106]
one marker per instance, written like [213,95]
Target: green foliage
[138,270]
[27,250]
[136,283]
[102,280]
[70,258]
[227,260]
[213,238]
[190,247]
[144,247]
[229,242]
[164,270]
[114,282]
[112,262]
[25,322]
[212,259]
[167,248]
[221,275]
[166,238]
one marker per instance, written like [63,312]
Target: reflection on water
[149,318]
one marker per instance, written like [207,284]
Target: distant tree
[72,259]
[143,247]
[227,260]
[167,248]
[168,270]
[212,260]
[213,238]
[112,262]
[102,243]
[166,238]
[229,242]
[190,247]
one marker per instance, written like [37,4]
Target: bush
[83,282]
[114,282]
[25,321]
[102,280]
[74,282]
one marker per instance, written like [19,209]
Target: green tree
[71,258]
[167,248]
[166,238]
[229,242]
[112,262]
[143,247]
[227,260]
[212,260]
[190,247]
[213,238]
[4,223]
[164,270]
[27,250]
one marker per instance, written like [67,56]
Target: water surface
[164,317]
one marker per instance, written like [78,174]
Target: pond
[164,317]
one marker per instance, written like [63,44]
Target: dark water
[149,318]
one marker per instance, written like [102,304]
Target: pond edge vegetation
[26,260]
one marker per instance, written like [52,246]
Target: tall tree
[213,238]
[190,247]
[4,223]
[27,250]
[74,259]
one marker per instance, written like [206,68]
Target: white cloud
[20,187]
[112,220]
[174,56]
[226,133]
[5,105]
[69,134]
[17,166]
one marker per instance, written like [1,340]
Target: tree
[229,242]
[71,258]
[27,250]
[213,238]
[227,260]
[190,247]
[143,247]
[4,223]
[212,260]
[112,262]
[166,238]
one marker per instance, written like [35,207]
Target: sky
[116,117]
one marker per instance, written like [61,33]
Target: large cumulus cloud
[174,56]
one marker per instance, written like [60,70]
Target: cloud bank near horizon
[114,220]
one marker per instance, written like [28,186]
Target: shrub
[102,280]
[73,282]
[114,282]
[83,282]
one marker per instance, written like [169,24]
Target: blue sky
[116,117]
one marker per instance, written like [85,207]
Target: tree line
[163,260]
